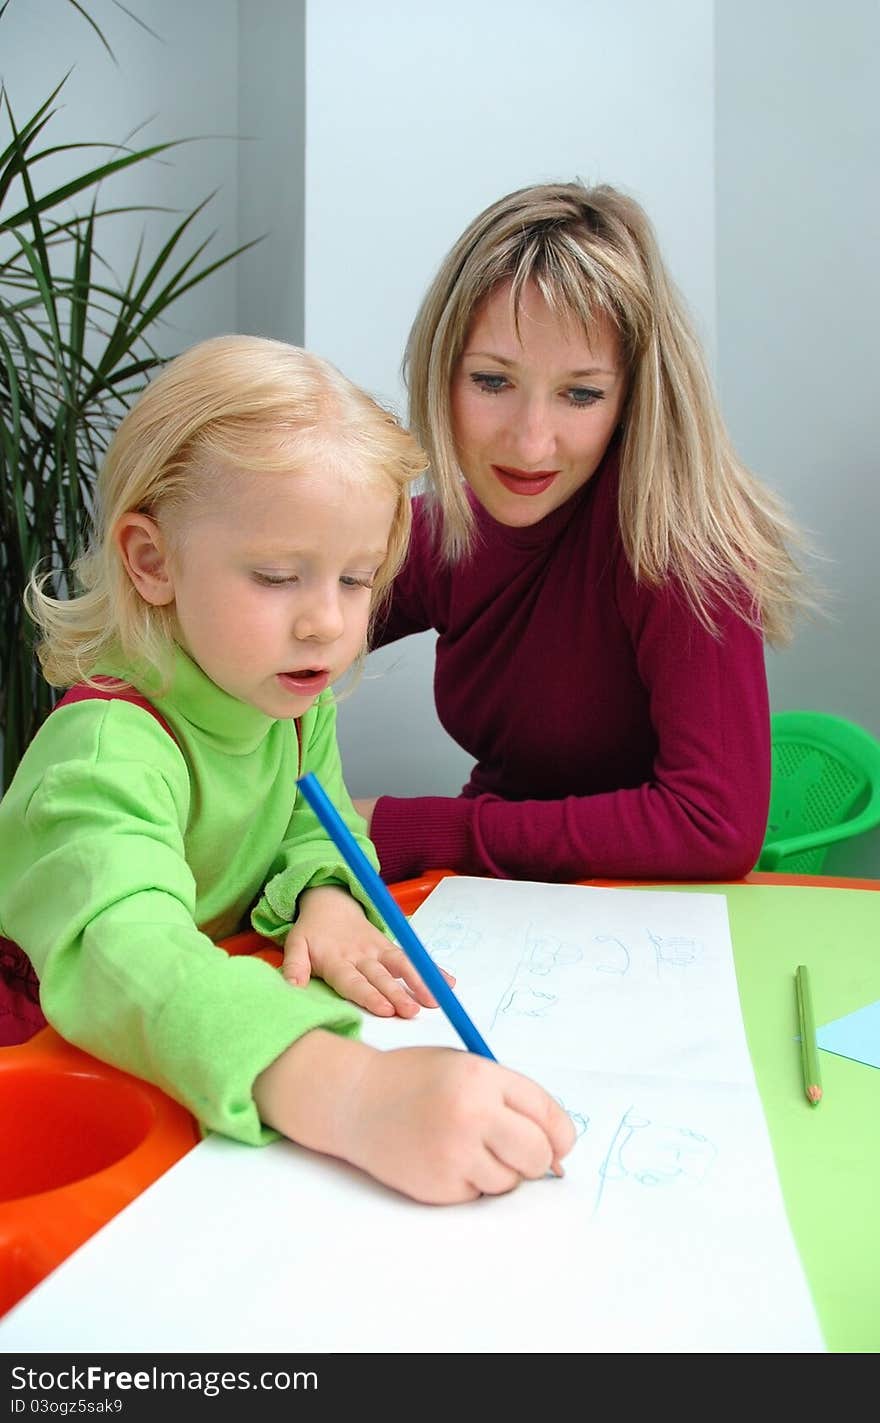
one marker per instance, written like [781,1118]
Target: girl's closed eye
[273,580]
[358,580]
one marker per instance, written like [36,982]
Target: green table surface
[828,1156]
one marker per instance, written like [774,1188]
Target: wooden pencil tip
[815,1095]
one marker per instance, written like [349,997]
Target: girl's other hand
[332,938]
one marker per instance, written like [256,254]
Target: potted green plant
[75,347]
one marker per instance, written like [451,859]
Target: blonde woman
[255,506]
[601,569]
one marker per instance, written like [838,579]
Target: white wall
[798,317]
[271,166]
[183,83]
[417,117]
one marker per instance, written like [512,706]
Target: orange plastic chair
[825,788]
[80,1140]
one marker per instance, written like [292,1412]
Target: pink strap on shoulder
[112,690]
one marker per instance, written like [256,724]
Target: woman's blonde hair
[688,508]
[233,402]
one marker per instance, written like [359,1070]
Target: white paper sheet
[667,1232]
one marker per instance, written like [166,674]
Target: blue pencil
[394,917]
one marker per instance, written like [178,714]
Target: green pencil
[809,1052]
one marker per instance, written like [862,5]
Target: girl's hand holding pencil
[438,1124]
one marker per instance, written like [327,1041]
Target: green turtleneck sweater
[124,853]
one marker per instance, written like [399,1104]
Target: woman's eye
[492,384]
[351,581]
[583,395]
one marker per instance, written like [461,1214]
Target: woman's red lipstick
[523,481]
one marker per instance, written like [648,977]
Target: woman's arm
[702,815]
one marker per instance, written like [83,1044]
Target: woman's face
[532,414]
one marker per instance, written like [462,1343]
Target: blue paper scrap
[856,1035]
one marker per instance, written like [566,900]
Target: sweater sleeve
[308,858]
[96,888]
[702,814]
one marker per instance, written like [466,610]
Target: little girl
[254,507]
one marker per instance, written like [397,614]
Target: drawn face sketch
[652,1154]
[655,1154]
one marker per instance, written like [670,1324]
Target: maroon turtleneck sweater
[614,737]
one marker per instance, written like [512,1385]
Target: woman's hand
[439,1124]
[366,808]
[332,937]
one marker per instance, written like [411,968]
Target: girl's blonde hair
[233,402]
[688,508]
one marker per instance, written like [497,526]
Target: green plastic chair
[825,787]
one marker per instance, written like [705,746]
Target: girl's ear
[144,555]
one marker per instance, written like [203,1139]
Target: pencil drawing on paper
[579,1121]
[452,936]
[544,952]
[542,955]
[677,950]
[616,960]
[651,1154]
[525,1003]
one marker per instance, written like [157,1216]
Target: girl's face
[532,414]
[271,585]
